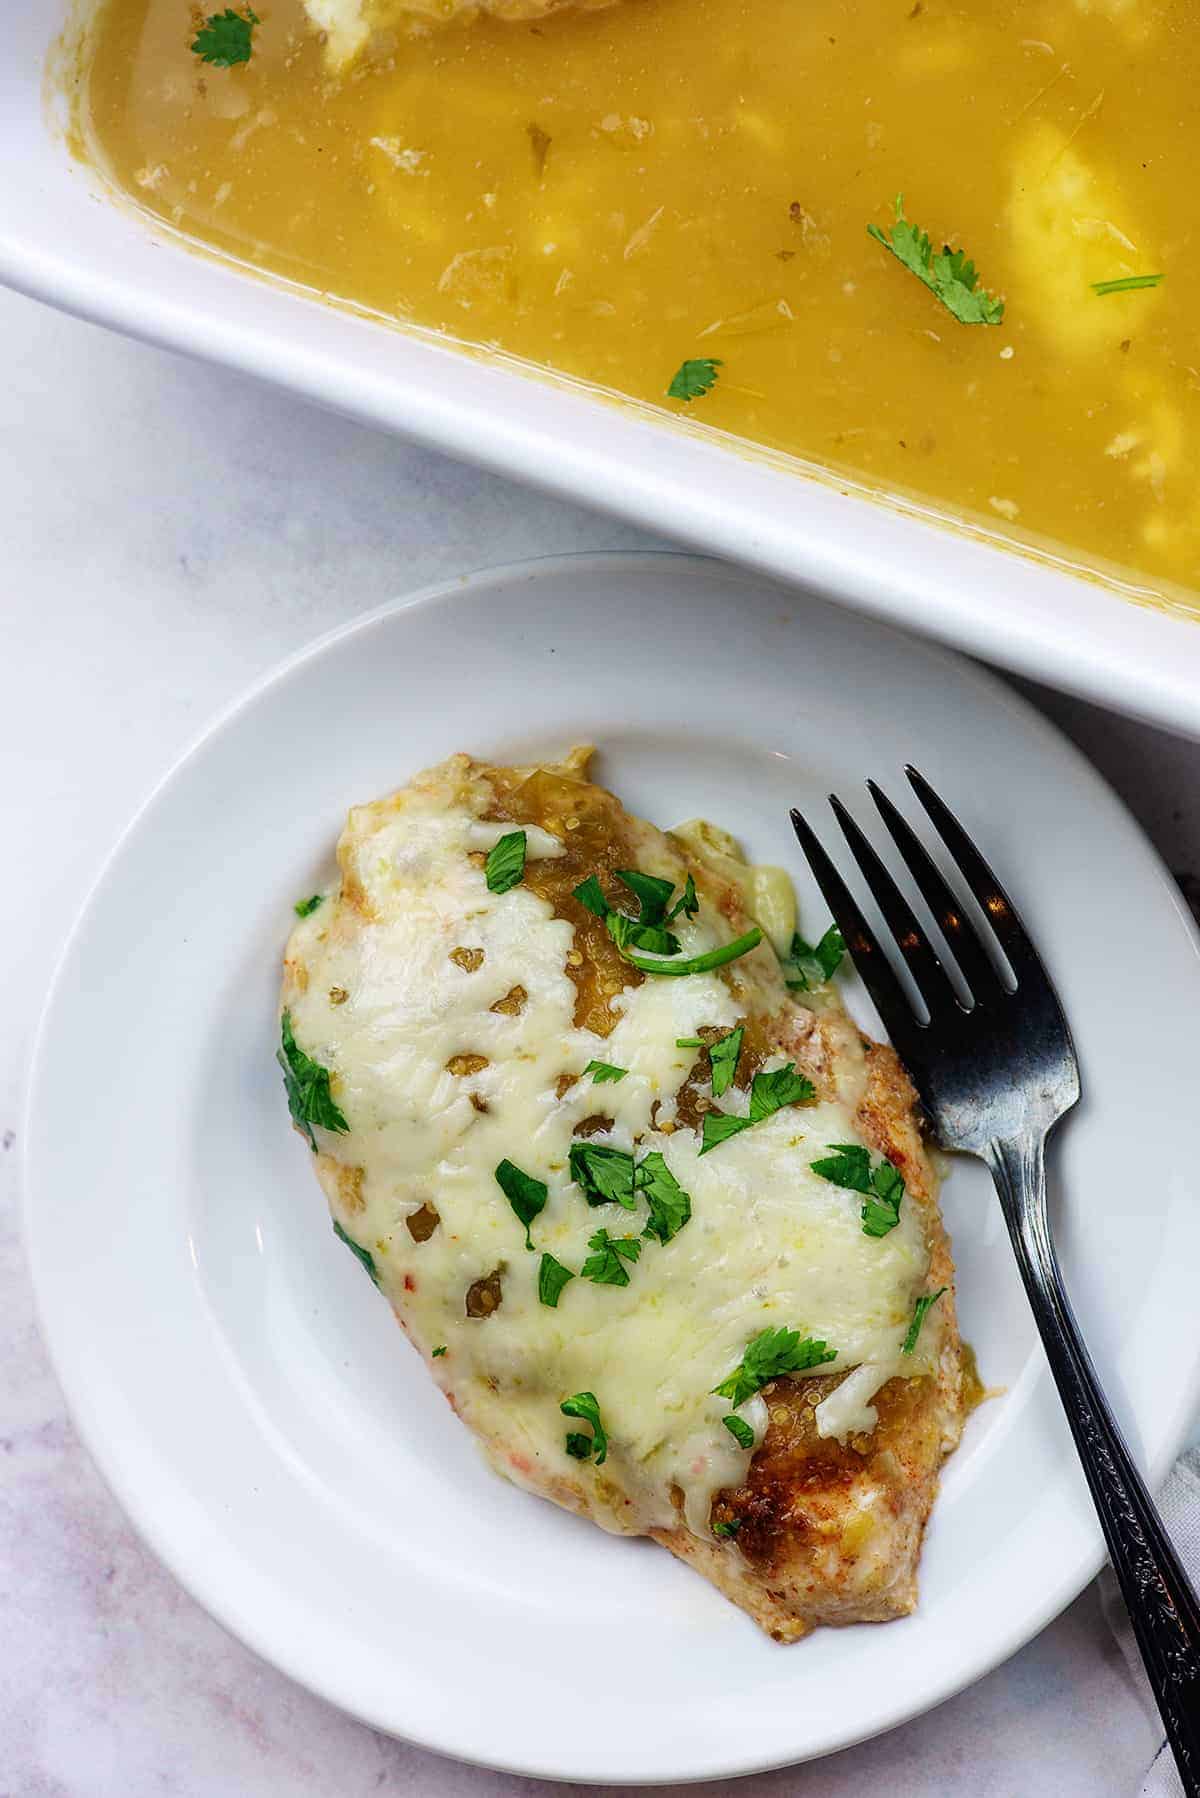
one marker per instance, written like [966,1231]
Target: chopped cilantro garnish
[719,1126]
[771,1353]
[723,1060]
[306,1083]
[949,275]
[850,1166]
[1127,284]
[505,864]
[782,1086]
[606,1264]
[608,1176]
[526,1195]
[224,39]
[810,965]
[769,1093]
[688,902]
[604,1174]
[923,1304]
[552,1277]
[584,1406]
[590,895]
[304,908]
[740,1430]
[648,930]
[627,932]
[882,1213]
[693,378]
[670,1207]
[652,894]
[439,1350]
[701,964]
[728,1528]
[603,1072]
[356,1249]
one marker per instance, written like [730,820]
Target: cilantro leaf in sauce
[606,1264]
[590,895]
[584,1405]
[693,378]
[604,1073]
[306,1083]
[604,1174]
[670,1207]
[727,1528]
[225,38]
[723,1060]
[304,908]
[926,1301]
[949,274]
[630,932]
[438,1351]
[810,965]
[740,1430]
[652,894]
[849,1165]
[505,864]
[552,1277]
[771,1353]
[769,1093]
[526,1195]
[356,1249]
[648,930]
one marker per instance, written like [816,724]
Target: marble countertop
[169,532]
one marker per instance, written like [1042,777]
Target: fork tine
[963,940]
[878,975]
[918,952]
[998,908]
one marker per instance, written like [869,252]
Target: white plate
[252,1402]
[64,240]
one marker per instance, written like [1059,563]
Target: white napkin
[1179,1502]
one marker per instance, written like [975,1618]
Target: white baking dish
[63,240]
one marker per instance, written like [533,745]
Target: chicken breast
[662,1226]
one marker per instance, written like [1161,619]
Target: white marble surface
[167,532]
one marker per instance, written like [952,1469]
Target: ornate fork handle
[1162,1606]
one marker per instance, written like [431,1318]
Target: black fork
[995,1067]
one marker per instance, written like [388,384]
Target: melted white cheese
[386,1008]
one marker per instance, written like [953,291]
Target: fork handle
[1162,1606]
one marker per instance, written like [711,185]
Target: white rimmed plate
[250,1399]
